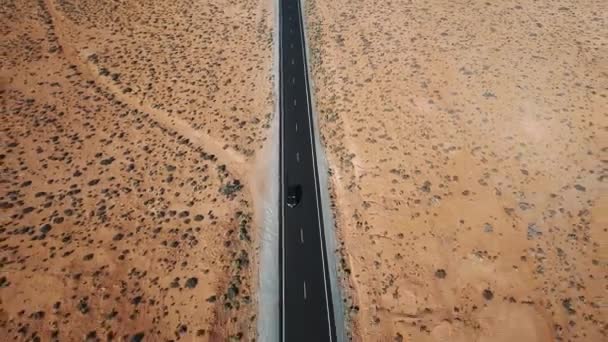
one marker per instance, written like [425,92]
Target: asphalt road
[306,311]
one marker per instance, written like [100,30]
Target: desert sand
[467,148]
[128,132]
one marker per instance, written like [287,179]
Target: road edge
[268,285]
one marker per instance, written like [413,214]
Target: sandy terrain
[128,129]
[467,146]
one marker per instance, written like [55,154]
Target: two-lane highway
[306,311]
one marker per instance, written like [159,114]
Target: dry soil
[127,132]
[467,147]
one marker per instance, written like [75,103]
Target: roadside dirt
[129,133]
[466,143]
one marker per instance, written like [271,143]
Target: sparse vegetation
[466,172]
[121,120]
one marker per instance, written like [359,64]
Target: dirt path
[170,122]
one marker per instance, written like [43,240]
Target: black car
[294,195]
